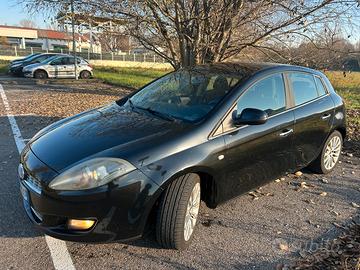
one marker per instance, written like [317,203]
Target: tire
[85,74]
[173,212]
[323,163]
[40,74]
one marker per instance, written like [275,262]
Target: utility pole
[73,36]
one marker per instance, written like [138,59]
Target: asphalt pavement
[274,226]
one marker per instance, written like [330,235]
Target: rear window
[303,86]
[320,86]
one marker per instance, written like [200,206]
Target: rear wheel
[329,155]
[40,74]
[85,74]
[178,212]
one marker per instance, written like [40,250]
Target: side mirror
[249,116]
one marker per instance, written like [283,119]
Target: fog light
[21,172]
[80,224]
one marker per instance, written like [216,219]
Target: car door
[70,67]
[314,112]
[57,67]
[256,154]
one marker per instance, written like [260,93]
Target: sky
[11,14]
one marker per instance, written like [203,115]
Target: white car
[59,67]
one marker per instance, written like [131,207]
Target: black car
[16,61]
[17,68]
[208,133]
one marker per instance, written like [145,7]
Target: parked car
[59,67]
[208,133]
[18,60]
[17,69]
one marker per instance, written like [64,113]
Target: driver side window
[268,95]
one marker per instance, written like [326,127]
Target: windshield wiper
[159,114]
[131,103]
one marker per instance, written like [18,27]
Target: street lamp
[73,36]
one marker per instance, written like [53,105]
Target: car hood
[32,66]
[83,136]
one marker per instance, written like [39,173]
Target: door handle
[325,116]
[286,132]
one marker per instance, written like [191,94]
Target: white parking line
[58,250]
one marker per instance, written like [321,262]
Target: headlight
[91,174]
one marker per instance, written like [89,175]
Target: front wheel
[40,74]
[329,155]
[178,212]
[85,74]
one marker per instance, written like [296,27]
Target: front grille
[33,183]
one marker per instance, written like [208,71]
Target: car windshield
[51,58]
[32,57]
[187,95]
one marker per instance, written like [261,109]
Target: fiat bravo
[145,162]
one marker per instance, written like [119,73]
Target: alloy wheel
[192,212]
[332,152]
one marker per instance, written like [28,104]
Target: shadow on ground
[91,86]
[235,229]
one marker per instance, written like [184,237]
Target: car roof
[246,69]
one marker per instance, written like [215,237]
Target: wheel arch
[207,184]
[342,131]
[86,70]
[41,69]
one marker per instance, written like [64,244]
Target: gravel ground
[270,228]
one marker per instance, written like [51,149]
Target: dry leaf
[355,205]
[324,180]
[283,247]
[310,201]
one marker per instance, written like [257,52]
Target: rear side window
[71,60]
[59,61]
[320,86]
[267,94]
[303,86]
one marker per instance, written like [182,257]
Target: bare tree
[114,41]
[4,41]
[189,32]
[27,23]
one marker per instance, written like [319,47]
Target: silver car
[59,67]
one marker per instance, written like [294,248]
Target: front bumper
[28,74]
[120,209]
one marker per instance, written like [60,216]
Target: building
[47,39]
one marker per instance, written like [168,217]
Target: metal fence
[133,57]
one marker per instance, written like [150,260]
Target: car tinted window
[71,60]
[41,58]
[268,95]
[320,86]
[303,86]
[59,61]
